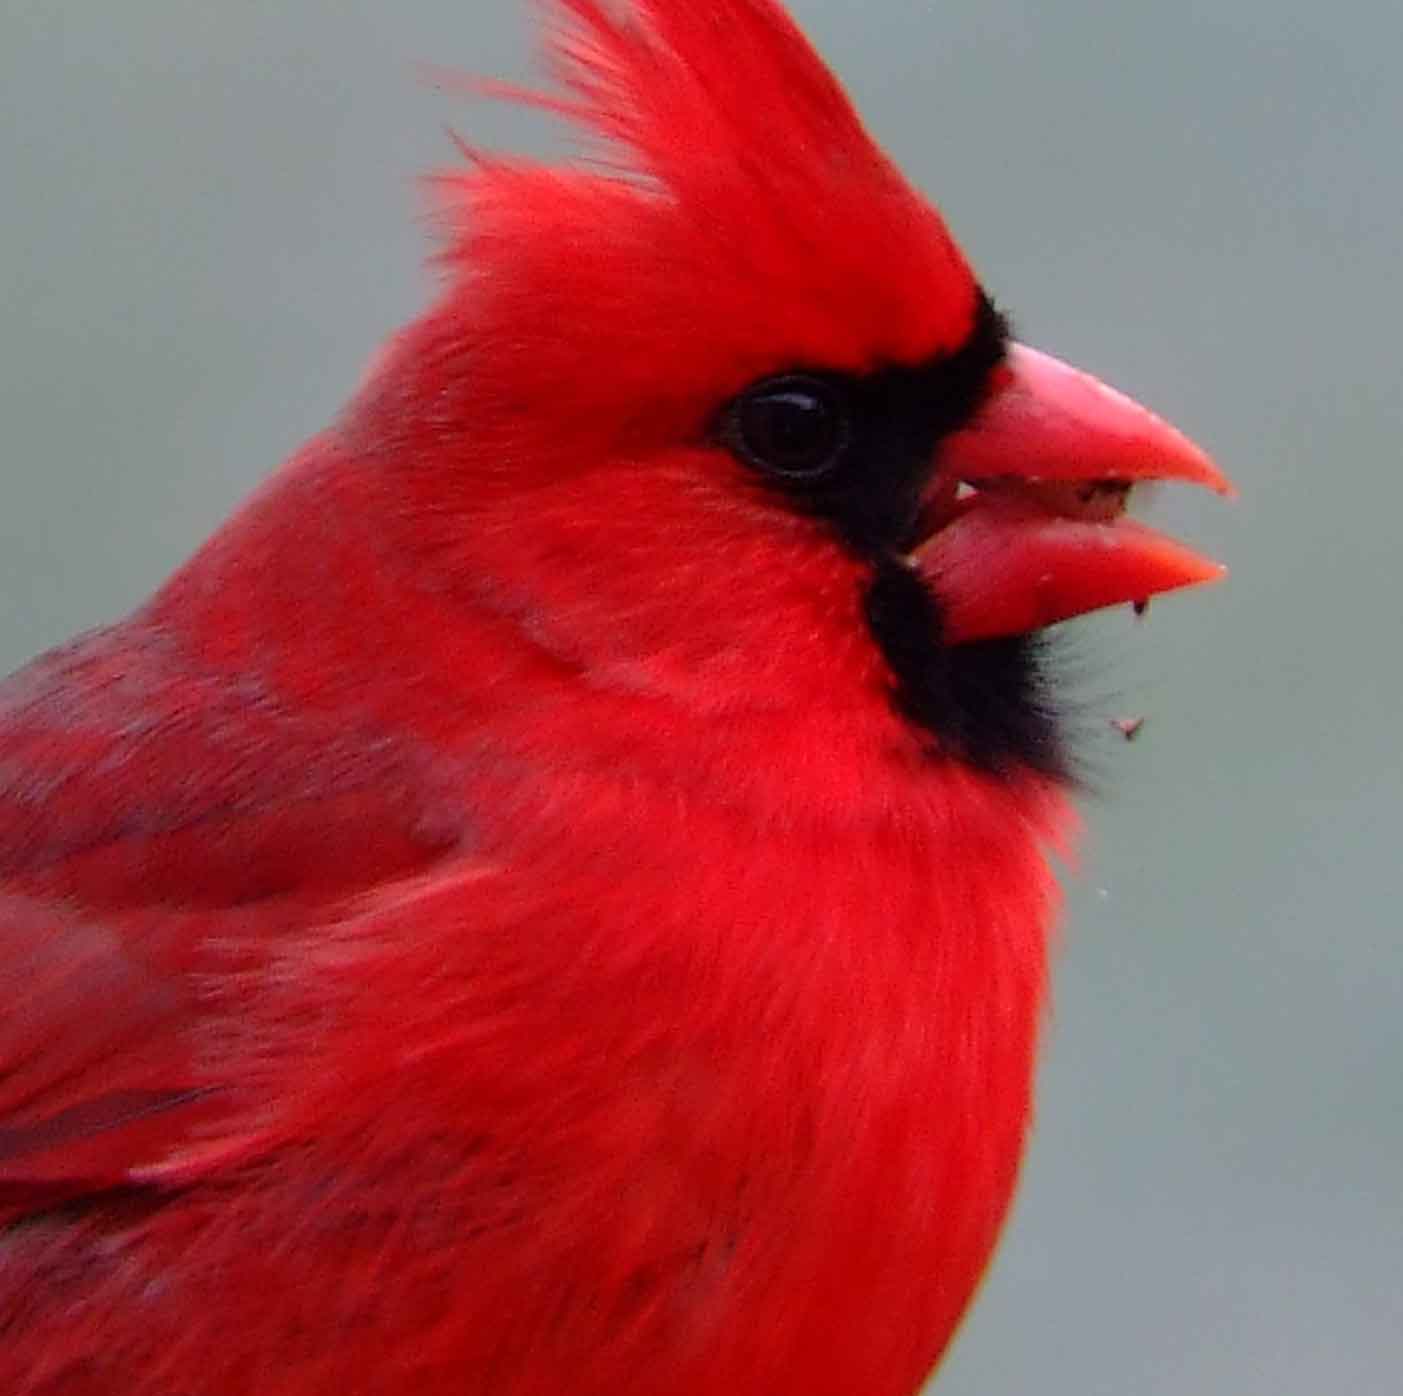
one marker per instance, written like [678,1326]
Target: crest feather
[678,82]
[740,194]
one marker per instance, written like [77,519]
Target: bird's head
[724,413]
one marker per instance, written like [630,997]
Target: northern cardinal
[552,899]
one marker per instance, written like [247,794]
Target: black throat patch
[985,701]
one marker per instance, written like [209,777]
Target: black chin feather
[984,702]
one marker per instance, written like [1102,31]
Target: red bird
[553,898]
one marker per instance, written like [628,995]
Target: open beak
[1025,522]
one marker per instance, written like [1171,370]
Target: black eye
[795,427]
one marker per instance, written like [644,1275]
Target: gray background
[207,221]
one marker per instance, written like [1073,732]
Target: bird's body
[522,911]
[750,1055]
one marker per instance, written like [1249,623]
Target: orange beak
[1026,518]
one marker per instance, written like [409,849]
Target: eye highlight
[795,427]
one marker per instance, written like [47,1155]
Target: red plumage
[485,925]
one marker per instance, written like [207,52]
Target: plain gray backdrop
[208,219]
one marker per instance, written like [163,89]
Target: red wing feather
[160,823]
[95,1071]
